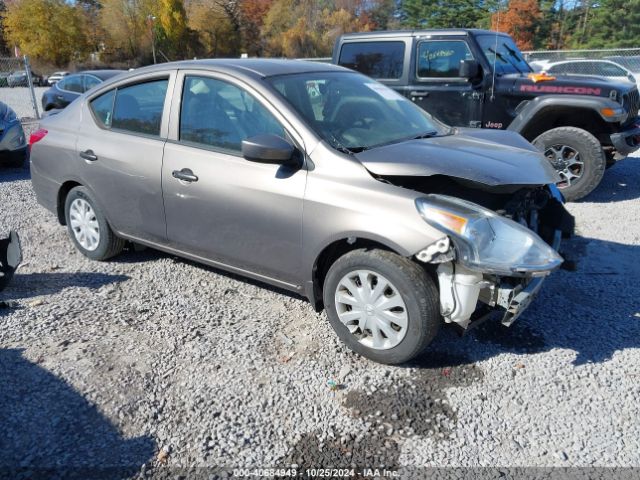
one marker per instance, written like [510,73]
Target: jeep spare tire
[577,156]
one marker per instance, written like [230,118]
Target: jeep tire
[577,156]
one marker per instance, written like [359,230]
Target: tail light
[36,136]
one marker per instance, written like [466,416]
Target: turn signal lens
[449,220]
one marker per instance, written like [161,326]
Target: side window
[138,108]
[90,82]
[72,84]
[381,60]
[102,107]
[221,115]
[441,58]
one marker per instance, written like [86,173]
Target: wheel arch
[63,191]
[334,250]
[545,113]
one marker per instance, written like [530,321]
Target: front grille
[631,102]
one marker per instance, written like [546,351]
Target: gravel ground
[156,363]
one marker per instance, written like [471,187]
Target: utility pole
[151,20]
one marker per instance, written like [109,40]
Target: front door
[219,205]
[437,86]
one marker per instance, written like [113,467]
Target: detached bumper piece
[515,300]
[628,140]
[10,258]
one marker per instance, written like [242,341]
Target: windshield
[353,112]
[505,54]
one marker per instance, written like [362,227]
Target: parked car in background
[13,144]
[600,68]
[3,79]
[407,222]
[19,79]
[56,77]
[70,87]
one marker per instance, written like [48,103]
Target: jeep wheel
[577,156]
[382,306]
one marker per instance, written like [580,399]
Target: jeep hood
[491,157]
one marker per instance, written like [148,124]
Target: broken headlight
[487,242]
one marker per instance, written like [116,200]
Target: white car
[55,77]
[600,68]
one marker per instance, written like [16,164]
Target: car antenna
[495,59]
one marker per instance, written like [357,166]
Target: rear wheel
[88,226]
[382,306]
[578,158]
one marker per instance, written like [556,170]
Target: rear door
[436,85]
[235,212]
[120,146]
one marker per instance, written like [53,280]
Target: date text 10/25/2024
[317,472]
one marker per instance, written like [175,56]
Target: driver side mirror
[469,69]
[269,149]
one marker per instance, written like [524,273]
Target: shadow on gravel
[620,182]
[593,312]
[50,431]
[35,284]
[414,405]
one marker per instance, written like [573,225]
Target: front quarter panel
[343,200]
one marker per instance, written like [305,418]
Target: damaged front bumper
[10,257]
[467,296]
[628,140]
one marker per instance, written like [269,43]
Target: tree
[446,13]
[213,28]
[520,20]
[175,32]
[130,25]
[51,30]
[613,24]
[253,14]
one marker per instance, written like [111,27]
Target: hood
[572,85]
[491,157]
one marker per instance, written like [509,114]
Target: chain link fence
[620,63]
[21,89]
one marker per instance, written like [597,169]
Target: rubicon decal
[560,89]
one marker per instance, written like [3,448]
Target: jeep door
[436,85]
[220,206]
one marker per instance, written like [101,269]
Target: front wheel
[578,158]
[382,306]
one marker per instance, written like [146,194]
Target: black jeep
[479,78]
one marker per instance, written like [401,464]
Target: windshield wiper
[429,134]
[505,59]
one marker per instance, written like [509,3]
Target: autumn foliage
[520,20]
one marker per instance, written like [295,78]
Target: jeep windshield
[503,52]
[353,112]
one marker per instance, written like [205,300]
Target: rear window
[382,60]
[136,108]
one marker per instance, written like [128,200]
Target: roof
[418,33]
[101,74]
[261,67]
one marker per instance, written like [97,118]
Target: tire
[564,145]
[107,244]
[407,280]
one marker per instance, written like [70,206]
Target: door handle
[419,93]
[185,175]
[89,155]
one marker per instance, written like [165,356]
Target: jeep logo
[560,89]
